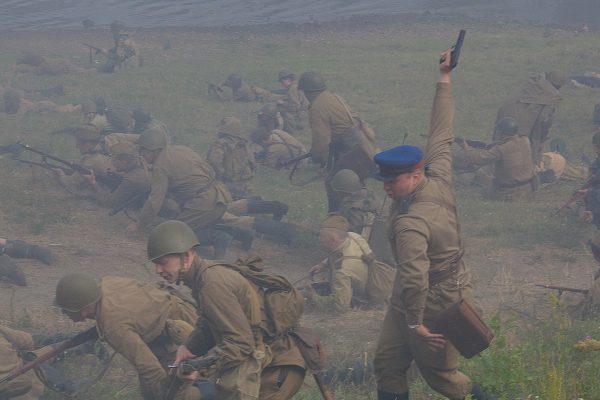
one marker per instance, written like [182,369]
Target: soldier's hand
[58,172]
[434,340]
[445,66]
[90,178]
[315,269]
[463,144]
[183,353]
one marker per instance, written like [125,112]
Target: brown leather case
[461,325]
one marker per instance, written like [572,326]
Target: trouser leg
[281,382]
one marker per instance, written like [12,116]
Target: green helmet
[230,126]
[153,139]
[556,78]
[311,82]
[170,237]
[596,139]
[285,74]
[507,126]
[268,110]
[346,181]
[120,119]
[233,81]
[76,291]
[88,106]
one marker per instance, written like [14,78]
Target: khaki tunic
[244,93]
[533,107]
[281,147]
[555,162]
[347,272]
[513,167]
[75,184]
[230,325]
[359,209]
[131,318]
[233,163]
[136,181]
[190,181]
[425,237]
[295,107]
[29,387]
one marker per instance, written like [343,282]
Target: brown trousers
[398,346]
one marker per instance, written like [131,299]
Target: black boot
[478,394]
[21,249]
[281,231]
[219,240]
[391,396]
[10,270]
[244,236]
[277,208]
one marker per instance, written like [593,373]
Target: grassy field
[387,73]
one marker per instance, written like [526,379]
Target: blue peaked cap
[397,160]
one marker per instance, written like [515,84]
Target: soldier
[144,121]
[93,115]
[533,108]
[346,268]
[23,387]
[136,319]
[430,275]
[241,91]
[88,141]
[278,146]
[340,140]
[16,103]
[135,183]
[514,174]
[232,325]
[120,120]
[231,158]
[295,104]
[124,49]
[40,65]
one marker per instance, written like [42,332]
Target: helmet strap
[181,271]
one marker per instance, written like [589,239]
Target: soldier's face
[403,184]
[84,146]
[286,82]
[147,155]
[73,316]
[90,116]
[167,267]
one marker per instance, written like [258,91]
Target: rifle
[186,367]
[294,161]
[109,179]
[135,199]
[216,90]
[97,50]
[476,144]
[577,195]
[90,334]
[562,289]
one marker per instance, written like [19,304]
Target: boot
[244,236]
[391,396]
[21,249]
[478,394]
[281,231]
[10,270]
[277,208]
[219,241]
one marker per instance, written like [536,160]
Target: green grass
[387,74]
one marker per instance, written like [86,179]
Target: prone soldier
[23,387]
[294,106]
[242,91]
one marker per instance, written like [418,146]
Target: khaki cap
[336,222]
[230,126]
[123,148]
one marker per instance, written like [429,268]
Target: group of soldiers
[235,340]
[236,337]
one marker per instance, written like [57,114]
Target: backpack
[283,304]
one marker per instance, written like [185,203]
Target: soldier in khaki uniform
[431,275]
[231,158]
[241,91]
[340,140]
[89,143]
[295,104]
[136,178]
[278,146]
[232,325]
[26,386]
[346,267]
[124,50]
[144,121]
[186,177]
[533,108]
[514,173]
[133,318]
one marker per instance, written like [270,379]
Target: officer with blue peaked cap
[398,160]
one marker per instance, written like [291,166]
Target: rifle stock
[90,334]
[294,160]
[131,201]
